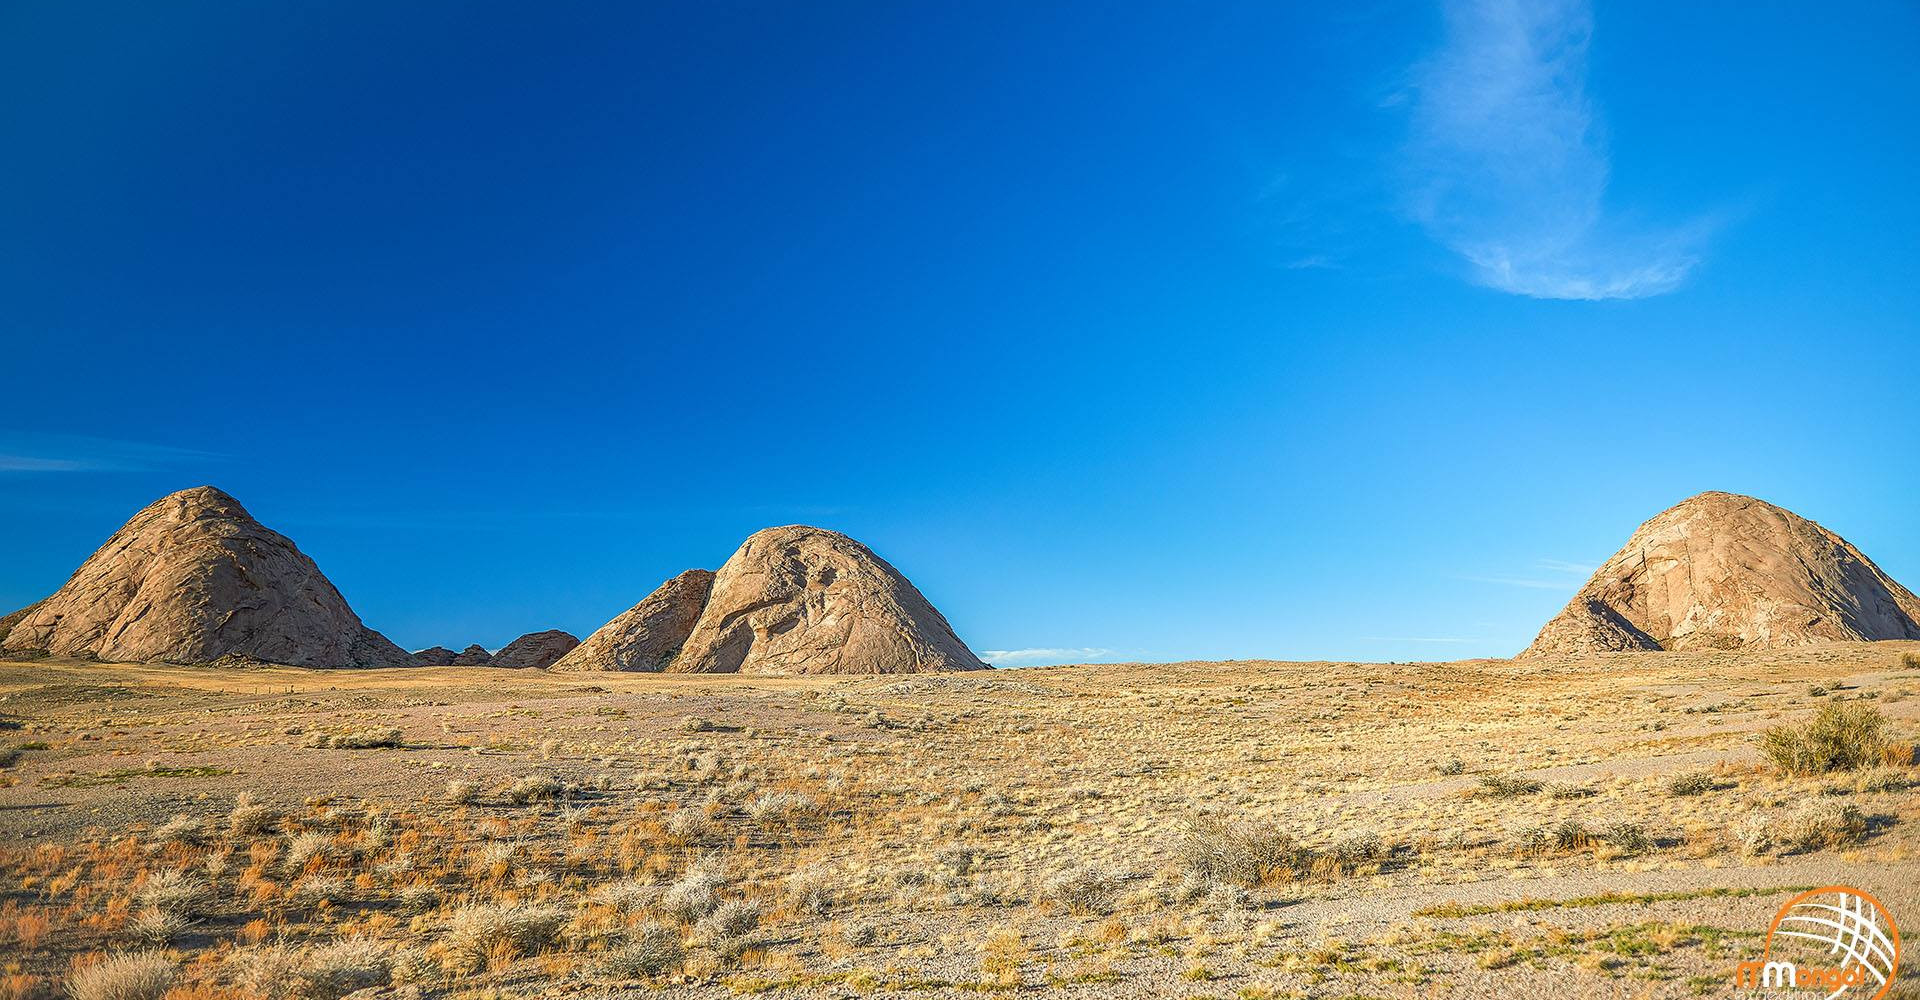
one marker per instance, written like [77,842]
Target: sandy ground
[1020,832]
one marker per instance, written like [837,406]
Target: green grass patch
[1603,899]
[128,774]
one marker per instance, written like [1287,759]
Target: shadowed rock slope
[648,635]
[791,600]
[1724,571]
[193,578]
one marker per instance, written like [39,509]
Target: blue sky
[1346,331]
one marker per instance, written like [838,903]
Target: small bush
[730,920]
[1568,790]
[533,788]
[1249,854]
[123,976]
[478,933]
[181,829]
[249,818]
[697,724]
[1451,766]
[1755,833]
[363,739]
[1503,786]
[650,950]
[462,793]
[780,806]
[697,893]
[1842,737]
[1691,783]
[1910,661]
[173,892]
[156,927]
[1626,838]
[1083,889]
[810,891]
[1818,823]
[628,896]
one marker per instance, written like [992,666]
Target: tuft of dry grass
[125,976]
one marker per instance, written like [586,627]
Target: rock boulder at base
[194,578]
[434,656]
[648,635]
[801,600]
[535,650]
[475,655]
[1723,571]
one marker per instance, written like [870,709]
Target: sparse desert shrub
[1842,737]
[1569,835]
[1690,783]
[1883,779]
[731,919]
[810,891]
[1568,790]
[419,897]
[181,829]
[123,976]
[533,788]
[780,806]
[650,950]
[155,926]
[462,793]
[338,968]
[316,889]
[476,934]
[1083,889]
[688,824]
[1910,661]
[303,848]
[697,893]
[628,896]
[1754,833]
[1818,823]
[697,724]
[379,737]
[958,859]
[1249,853]
[1505,786]
[173,892]
[250,818]
[1451,766]
[1626,838]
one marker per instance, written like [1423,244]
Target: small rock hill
[194,578]
[1724,571]
[791,600]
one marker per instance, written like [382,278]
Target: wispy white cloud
[21,452]
[1510,166]
[1516,581]
[1562,566]
[1082,654]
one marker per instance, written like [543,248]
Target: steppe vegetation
[1616,825]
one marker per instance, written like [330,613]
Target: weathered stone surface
[1723,571]
[434,656]
[7,622]
[648,635]
[801,600]
[535,650]
[475,655]
[194,578]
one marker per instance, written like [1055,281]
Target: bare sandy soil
[1243,829]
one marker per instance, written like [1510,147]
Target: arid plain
[1604,825]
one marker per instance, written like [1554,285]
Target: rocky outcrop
[434,656]
[194,578]
[7,622]
[1724,571]
[648,635]
[535,650]
[475,655]
[801,600]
